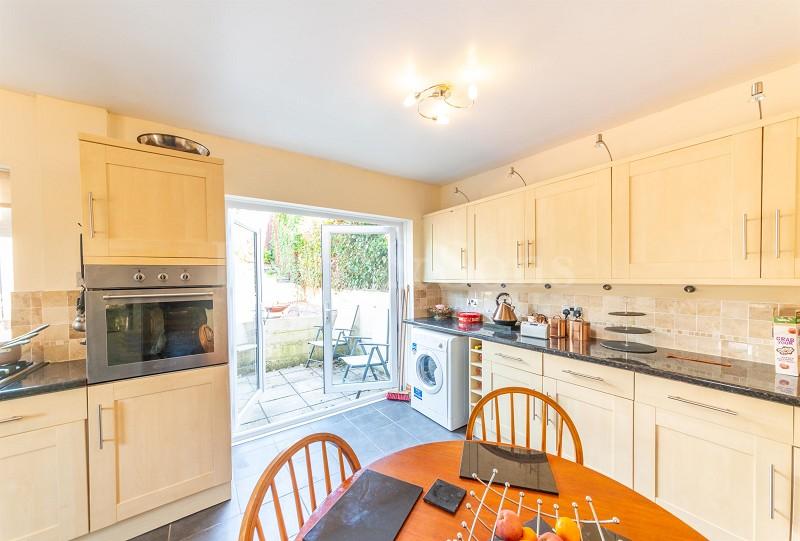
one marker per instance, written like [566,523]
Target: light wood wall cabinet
[496,239]
[156,439]
[150,206]
[720,462]
[692,213]
[568,229]
[43,493]
[780,256]
[446,245]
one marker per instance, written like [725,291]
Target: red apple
[509,525]
[549,536]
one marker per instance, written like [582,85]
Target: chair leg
[310,355]
[346,371]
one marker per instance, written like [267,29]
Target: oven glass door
[138,332]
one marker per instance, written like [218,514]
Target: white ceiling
[328,78]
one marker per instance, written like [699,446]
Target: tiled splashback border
[56,343]
[740,329]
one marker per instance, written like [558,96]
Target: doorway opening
[314,300]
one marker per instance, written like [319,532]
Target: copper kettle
[504,314]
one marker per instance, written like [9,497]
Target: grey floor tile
[196,523]
[227,530]
[159,534]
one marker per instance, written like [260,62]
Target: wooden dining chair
[251,521]
[516,418]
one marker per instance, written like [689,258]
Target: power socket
[472,302]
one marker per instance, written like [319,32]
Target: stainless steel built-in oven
[152,319]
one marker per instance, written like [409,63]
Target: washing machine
[438,374]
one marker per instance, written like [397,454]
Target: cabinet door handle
[777,233]
[530,252]
[463,252]
[91,215]
[519,245]
[771,491]
[581,375]
[100,424]
[11,419]
[744,236]
[700,404]
[504,356]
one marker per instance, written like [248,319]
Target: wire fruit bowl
[479,526]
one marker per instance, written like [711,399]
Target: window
[6,255]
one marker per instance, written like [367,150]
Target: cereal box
[784,332]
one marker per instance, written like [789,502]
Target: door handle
[100,425]
[744,236]
[530,251]
[463,252]
[12,418]
[504,356]
[158,295]
[91,215]
[702,405]
[581,375]
[771,491]
[519,245]
[777,233]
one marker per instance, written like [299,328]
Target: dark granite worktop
[742,377]
[50,378]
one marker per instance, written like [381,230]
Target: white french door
[245,260]
[360,298]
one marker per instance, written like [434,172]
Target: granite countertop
[742,377]
[50,378]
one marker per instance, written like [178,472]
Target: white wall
[706,114]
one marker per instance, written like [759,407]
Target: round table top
[639,517]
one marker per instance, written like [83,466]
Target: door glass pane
[361,309]
[148,331]
[246,344]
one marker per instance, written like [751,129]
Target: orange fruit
[567,529]
[528,534]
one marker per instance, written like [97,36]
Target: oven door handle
[158,295]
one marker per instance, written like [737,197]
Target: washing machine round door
[429,373]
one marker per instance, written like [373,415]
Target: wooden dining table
[640,518]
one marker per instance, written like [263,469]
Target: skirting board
[130,528]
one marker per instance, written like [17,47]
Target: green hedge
[358,261]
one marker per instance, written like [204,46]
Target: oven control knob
[138,277]
[163,276]
[185,276]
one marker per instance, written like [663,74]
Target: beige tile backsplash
[58,342]
[735,328]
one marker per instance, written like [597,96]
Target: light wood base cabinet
[605,426]
[497,375]
[726,482]
[43,491]
[156,439]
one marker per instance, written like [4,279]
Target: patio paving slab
[284,405]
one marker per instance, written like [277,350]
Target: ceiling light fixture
[599,143]
[757,95]
[512,172]
[434,102]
